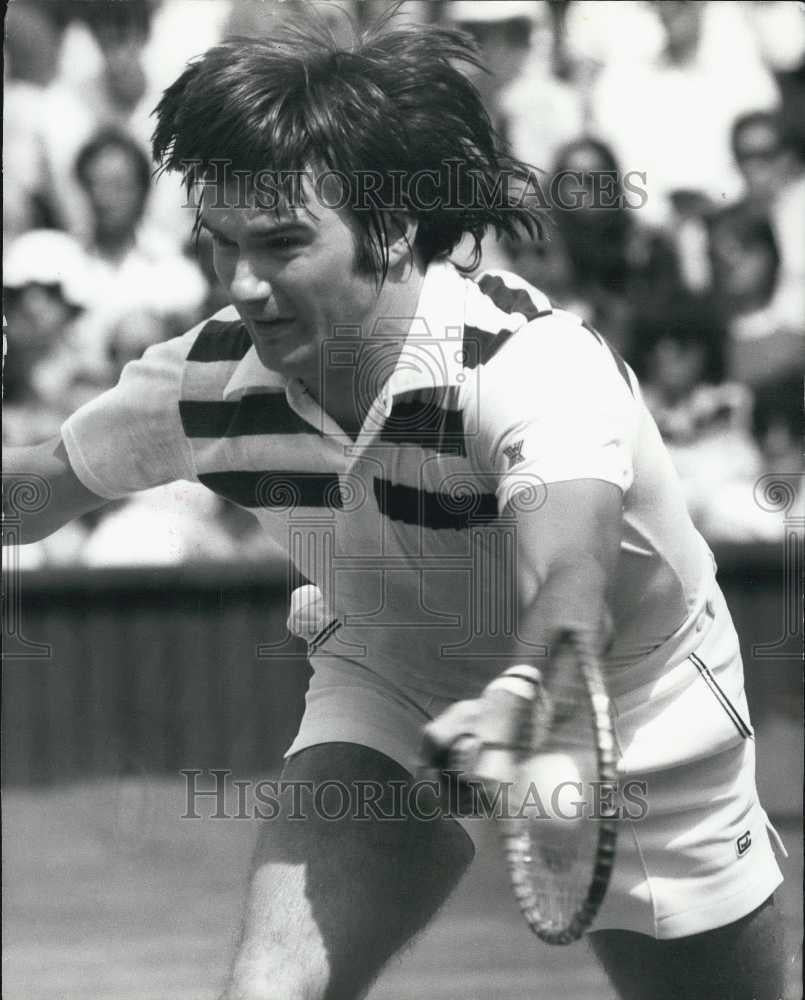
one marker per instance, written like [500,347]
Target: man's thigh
[331,899]
[741,961]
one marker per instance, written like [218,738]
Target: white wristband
[522,680]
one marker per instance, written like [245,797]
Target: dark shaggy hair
[390,103]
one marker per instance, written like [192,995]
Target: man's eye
[282,243]
[221,241]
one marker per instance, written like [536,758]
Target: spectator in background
[689,234]
[669,113]
[543,110]
[613,266]
[779,28]
[101,79]
[25,195]
[766,161]
[45,291]
[774,177]
[138,277]
[118,33]
[31,48]
[530,102]
[536,110]
[503,33]
[704,421]
[745,265]
[744,510]
[32,40]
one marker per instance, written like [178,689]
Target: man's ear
[402,231]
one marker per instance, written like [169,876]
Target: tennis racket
[552,751]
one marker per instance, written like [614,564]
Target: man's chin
[288,359]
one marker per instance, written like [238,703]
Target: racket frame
[587,663]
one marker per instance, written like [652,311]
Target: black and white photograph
[403,499]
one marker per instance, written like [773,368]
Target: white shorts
[702,856]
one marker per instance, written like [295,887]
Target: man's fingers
[441,737]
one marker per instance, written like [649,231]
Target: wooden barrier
[149,670]
[154,670]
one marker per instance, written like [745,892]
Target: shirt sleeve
[130,438]
[554,404]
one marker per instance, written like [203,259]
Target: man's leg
[741,961]
[332,900]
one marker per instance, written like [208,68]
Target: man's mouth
[272,327]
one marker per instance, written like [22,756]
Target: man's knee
[331,900]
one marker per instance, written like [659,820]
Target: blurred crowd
[669,136]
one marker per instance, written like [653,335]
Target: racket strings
[559,857]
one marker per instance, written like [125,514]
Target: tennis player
[393,424]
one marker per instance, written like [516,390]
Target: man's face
[114,189]
[762,160]
[292,275]
[677,366]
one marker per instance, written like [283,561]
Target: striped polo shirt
[409,530]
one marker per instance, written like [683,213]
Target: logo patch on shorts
[514,453]
[743,843]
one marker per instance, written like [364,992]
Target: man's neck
[346,393]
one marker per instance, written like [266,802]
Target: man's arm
[44,471]
[556,422]
[567,551]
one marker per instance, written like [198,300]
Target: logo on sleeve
[514,453]
[743,843]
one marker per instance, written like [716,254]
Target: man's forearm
[41,492]
[573,596]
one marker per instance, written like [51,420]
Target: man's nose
[246,285]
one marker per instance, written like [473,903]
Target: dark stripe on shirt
[434,510]
[283,490]
[510,300]
[480,346]
[421,417]
[258,413]
[219,341]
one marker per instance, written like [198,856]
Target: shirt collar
[250,376]
[432,352]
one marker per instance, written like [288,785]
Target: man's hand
[483,738]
